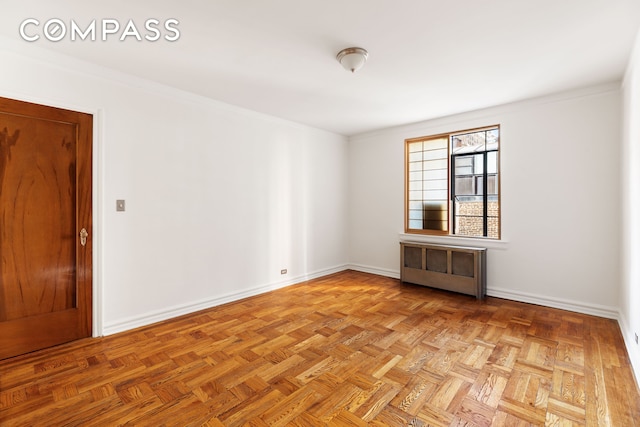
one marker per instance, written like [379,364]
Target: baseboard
[633,350]
[584,308]
[179,310]
[375,270]
[578,307]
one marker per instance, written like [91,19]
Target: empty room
[305,213]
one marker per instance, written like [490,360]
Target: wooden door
[45,202]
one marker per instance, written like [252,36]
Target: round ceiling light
[352,58]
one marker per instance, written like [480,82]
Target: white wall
[218,199]
[630,161]
[560,198]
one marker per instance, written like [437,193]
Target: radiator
[452,268]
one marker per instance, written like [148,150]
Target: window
[453,184]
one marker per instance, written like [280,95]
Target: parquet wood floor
[351,349]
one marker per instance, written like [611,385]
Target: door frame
[97,196]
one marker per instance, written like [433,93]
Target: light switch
[119,205]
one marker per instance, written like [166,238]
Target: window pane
[416,214]
[415,146]
[438,184]
[478,164]
[415,176]
[415,185]
[469,218]
[435,154]
[415,224]
[493,223]
[415,195]
[435,164]
[434,195]
[414,157]
[492,184]
[435,215]
[492,162]
[436,174]
[436,206]
[435,225]
[437,144]
[463,169]
[479,185]
[415,166]
[465,186]
[468,142]
[493,139]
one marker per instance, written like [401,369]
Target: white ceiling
[427,58]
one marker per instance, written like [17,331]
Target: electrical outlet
[284,271]
[636,338]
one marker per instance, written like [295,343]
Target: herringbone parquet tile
[350,349]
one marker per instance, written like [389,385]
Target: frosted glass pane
[415,214]
[435,164]
[436,144]
[415,146]
[435,215]
[436,185]
[435,154]
[414,157]
[435,194]
[415,195]
[415,166]
[415,185]
[436,174]
[436,225]
[415,176]
[415,224]
[436,206]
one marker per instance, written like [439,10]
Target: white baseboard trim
[375,270]
[633,350]
[179,310]
[578,307]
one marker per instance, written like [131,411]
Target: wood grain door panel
[45,200]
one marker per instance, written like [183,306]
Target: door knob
[83,237]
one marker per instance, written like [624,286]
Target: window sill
[455,240]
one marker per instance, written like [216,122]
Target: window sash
[427,185]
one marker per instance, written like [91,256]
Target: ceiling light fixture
[352,58]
